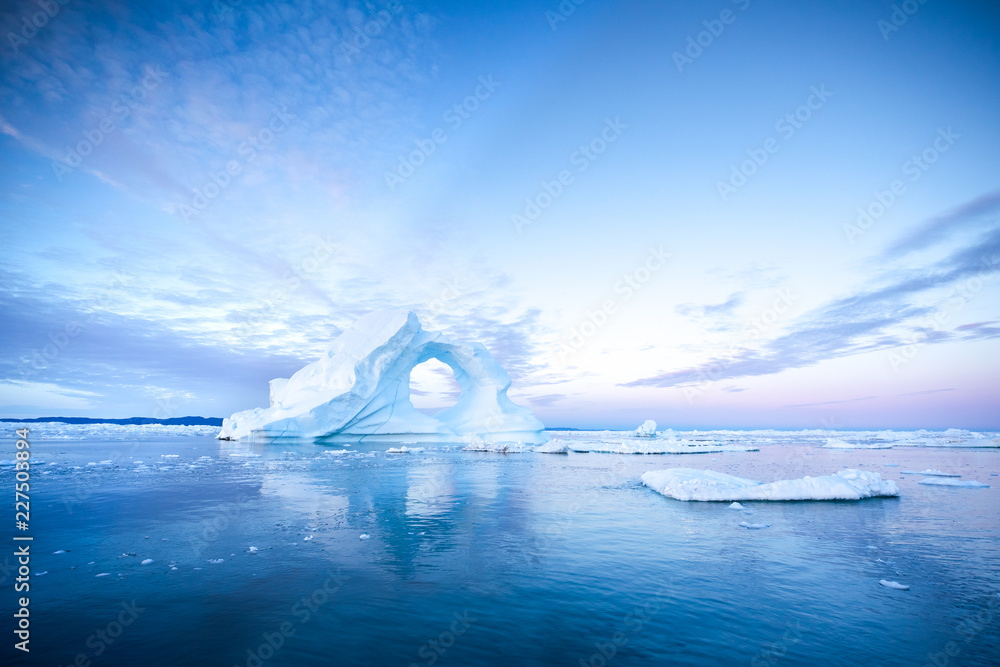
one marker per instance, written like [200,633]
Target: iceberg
[647,430]
[360,389]
[708,485]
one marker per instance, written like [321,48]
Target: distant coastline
[141,421]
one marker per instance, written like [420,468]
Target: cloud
[878,318]
[717,310]
[967,216]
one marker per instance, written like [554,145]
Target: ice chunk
[364,536]
[553,447]
[103,574]
[949,481]
[497,447]
[147,561]
[894,584]
[736,506]
[833,443]
[647,430]
[360,387]
[216,561]
[754,526]
[61,551]
[707,485]
[930,472]
[404,450]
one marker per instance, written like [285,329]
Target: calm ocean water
[490,559]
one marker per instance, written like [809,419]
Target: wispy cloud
[881,317]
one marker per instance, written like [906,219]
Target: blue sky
[712,214]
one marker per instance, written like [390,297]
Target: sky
[726,214]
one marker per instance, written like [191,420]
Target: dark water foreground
[487,559]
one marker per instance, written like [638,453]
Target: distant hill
[175,421]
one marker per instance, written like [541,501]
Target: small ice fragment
[947,481]
[91,562]
[103,574]
[61,551]
[253,550]
[174,568]
[147,561]
[307,538]
[216,561]
[894,584]
[39,574]
[736,506]
[754,526]
[364,536]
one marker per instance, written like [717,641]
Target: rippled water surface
[488,559]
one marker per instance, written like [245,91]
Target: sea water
[303,554]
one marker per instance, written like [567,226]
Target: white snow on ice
[708,485]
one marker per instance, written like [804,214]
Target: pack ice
[691,484]
[360,387]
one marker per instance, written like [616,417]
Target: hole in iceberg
[433,387]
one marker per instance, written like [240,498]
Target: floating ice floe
[404,450]
[147,561]
[929,472]
[360,387]
[647,430]
[754,526]
[498,447]
[833,443]
[364,536]
[252,550]
[61,551]
[103,574]
[216,561]
[736,506]
[949,481]
[553,447]
[894,584]
[657,446]
[708,485]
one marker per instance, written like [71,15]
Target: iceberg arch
[360,389]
